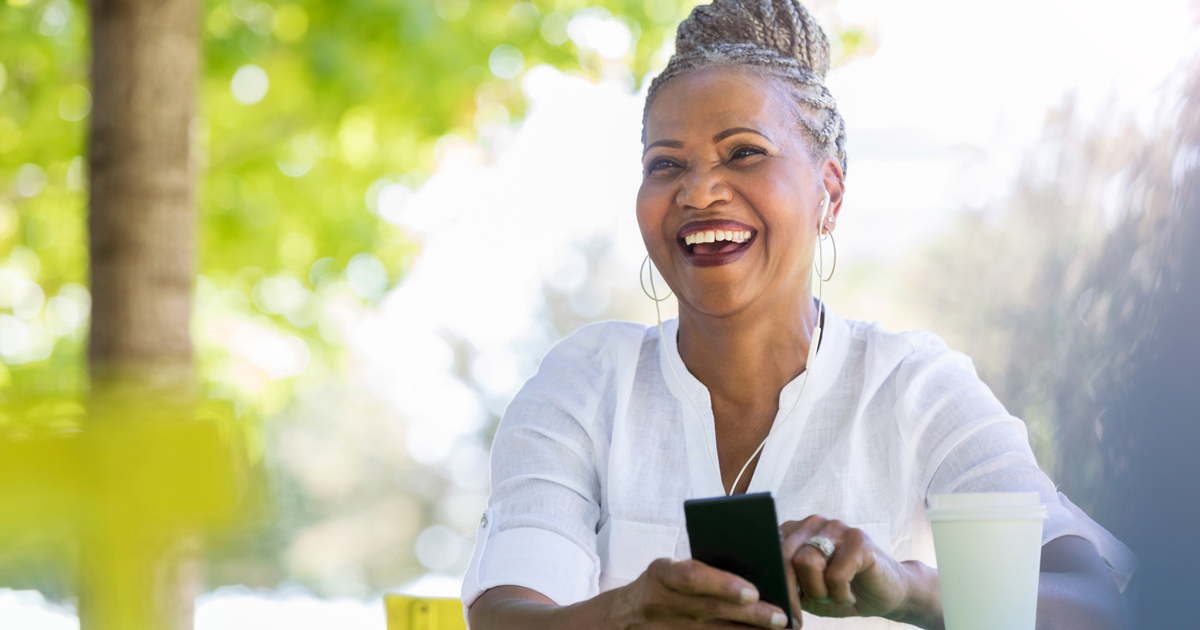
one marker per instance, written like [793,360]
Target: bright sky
[938,117]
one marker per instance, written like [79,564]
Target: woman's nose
[702,188]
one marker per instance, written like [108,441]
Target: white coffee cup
[989,551]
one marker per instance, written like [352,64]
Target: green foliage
[44,102]
[357,93]
[358,90]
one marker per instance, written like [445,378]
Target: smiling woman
[756,387]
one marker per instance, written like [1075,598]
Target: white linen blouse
[596,454]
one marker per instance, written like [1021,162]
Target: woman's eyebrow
[670,144]
[733,131]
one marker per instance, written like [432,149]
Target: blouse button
[483,520]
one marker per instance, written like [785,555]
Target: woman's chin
[718,304]
[719,291]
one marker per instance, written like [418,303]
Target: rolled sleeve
[539,531]
[536,559]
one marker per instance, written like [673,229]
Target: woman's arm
[1075,590]
[669,594]
[518,608]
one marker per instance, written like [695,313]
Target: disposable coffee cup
[989,551]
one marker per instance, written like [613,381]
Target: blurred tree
[145,61]
[145,57]
[308,111]
[304,105]
[315,120]
[1077,299]
[1158,417]
[1072,269]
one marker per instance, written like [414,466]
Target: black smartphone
[739,534]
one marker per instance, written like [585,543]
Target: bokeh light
[506,62]
[75,104]
[249,84]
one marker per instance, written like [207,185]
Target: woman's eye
[744,152]
[660,164]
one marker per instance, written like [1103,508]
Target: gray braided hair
[777,38]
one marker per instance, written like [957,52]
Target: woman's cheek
[653,205]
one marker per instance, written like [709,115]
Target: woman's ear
[835,184]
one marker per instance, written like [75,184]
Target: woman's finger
[843,565]
[689,589]
[810,563]
[809,566]
[758,614]
[791,529]
[692,577]
[798,565]
[794,534]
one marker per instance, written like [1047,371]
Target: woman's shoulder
[580,372]
[874,338]
[593,354]
[601,335]
[599,342]
[920,371]
[905,354]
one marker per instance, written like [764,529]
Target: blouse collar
[693,396]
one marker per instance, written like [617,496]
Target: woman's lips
[716,242]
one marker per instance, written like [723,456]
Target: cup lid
[986,500]
[986,505]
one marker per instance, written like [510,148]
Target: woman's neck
[750,356]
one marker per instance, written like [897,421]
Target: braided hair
[777,38]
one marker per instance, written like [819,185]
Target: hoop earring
[652,293]
[833,268]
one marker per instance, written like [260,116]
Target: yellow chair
[405,612]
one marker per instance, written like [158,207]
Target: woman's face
[726,162]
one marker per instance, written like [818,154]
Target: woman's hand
[691,594]
[859,579]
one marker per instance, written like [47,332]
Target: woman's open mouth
[711,243]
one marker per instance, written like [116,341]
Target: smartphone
[740,534]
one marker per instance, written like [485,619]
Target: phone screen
[740,534]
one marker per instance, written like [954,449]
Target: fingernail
[851,602]
[749,595]
[823,601]
[795,622]
[779,620]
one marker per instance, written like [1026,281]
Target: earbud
[824,212]
[816,332]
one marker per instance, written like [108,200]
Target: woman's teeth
[712,236]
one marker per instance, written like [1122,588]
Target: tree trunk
[145,61]
[144,76]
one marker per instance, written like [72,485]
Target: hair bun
[784,27]
[779,36]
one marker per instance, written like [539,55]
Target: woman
[755,387]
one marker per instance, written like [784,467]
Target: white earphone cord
[814,343]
